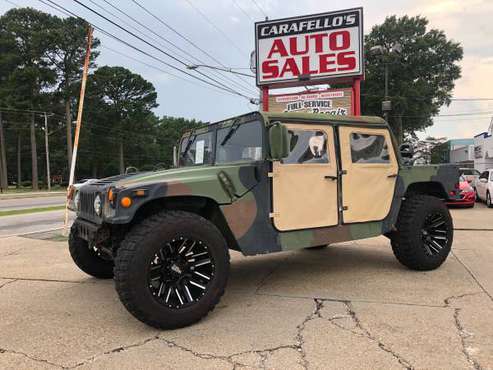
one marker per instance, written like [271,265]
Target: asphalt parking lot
[348,306]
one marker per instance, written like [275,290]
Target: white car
[484,187]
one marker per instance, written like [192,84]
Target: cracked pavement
[347,306]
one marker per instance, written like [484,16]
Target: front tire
[172,269]
[424,233]
[488,200]
[87,259]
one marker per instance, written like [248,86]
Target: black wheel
[424,233]
[488,200]
[172,269]
[87,259]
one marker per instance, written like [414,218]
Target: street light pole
[386,103]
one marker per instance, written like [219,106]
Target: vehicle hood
[221,183]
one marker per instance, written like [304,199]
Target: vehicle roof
[276,116]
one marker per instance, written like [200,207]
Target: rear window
[369,148]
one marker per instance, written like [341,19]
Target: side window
[307,146]
[199,151]
[369,148]
[491,176]
[484,175]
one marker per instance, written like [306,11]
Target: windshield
[198,152]
[244,143]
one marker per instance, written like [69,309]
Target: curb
[31,195]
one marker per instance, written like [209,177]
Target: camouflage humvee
[257,183]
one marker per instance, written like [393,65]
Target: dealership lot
[349,305]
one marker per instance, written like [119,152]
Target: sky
[224,29]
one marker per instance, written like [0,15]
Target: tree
[66,53]
[32,77]
[422,77]
[125,100]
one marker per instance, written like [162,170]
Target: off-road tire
[136,250]
[489,202]
[407,243]
[87,259]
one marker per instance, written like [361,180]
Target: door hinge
[273,174]
[342,172]
[273,214]
[343,208]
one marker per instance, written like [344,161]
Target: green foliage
[421,78]
[41,59]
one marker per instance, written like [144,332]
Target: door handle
[393,175]
[333,178]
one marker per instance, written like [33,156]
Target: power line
[179,34]
[150,55]
[260,8]
[159,49]
[168,42]
[12,3]
[208,20]
[242,10]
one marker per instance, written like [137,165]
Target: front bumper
[86,230]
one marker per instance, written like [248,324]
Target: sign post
[312,49]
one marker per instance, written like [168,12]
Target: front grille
[86,209]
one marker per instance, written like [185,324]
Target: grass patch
[14,212]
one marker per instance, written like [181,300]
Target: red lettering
[290,66]
[319,42]
[346,61]
[278,47]
[270,69]
[325,60]
[293,46]
[305,66]
[339,40]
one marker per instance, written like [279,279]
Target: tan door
[369,160]
[304,184]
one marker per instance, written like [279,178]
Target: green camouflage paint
[242,191]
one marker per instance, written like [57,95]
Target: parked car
[470,174]
[484,187]
[464,196]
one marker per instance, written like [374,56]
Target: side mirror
[278,141]
[175,156]
[406,150]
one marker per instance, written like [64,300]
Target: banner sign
[324,46]
[333,101]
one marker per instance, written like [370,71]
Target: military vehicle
[257,183]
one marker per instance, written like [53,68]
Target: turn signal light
[111,195]
[126,202]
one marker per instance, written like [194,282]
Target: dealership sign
[324,46]
[335,101]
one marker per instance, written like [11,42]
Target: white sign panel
[315,47]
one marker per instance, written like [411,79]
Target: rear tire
[424,233]
[172,269]
[87,259]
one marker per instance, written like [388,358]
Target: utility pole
[48,175]
[79,121]
[4,183]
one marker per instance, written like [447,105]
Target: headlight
[97,205]
[77,200]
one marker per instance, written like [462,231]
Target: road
[24,203]
[349,306]
[32,222]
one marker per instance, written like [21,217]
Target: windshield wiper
[232,130]
[191,140]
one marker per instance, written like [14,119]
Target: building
[460,151]
[483,149]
